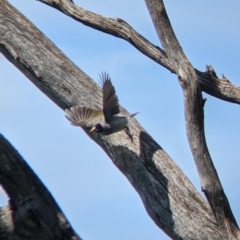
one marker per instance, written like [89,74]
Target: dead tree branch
[32,213]
[221,88]
[119,28]
[194,118]
[168,196]
[113,26]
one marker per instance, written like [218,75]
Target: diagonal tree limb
[119,28]
[194,118]
[114,26]
[168,196]
[32,213]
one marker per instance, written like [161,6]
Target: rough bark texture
[119,28]
[194,118]
[168,196]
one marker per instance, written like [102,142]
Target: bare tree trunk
[168,196]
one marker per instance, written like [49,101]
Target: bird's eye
[99,128]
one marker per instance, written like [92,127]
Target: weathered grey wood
[114,26]
[117,27]
[194,118]
[31,213]
[168,196]
[221,88]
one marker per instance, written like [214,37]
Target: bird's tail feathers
[133,115]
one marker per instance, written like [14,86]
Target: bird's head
[97,128]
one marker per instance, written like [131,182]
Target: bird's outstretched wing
[110,100]
[78,116]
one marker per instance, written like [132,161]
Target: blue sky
[96,198]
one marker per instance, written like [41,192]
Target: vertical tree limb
[194,117]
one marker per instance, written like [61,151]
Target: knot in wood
[182,80]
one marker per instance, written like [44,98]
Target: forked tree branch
[119,28]
[168,196]
[32,213]
[194,117]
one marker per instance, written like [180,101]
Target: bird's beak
[93,129]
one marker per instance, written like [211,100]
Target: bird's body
[117,124]
[104,121]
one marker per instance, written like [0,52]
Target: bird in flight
[101,121]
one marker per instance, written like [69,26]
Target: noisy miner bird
[101,121]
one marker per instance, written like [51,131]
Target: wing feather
[78,116]
[110,99]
